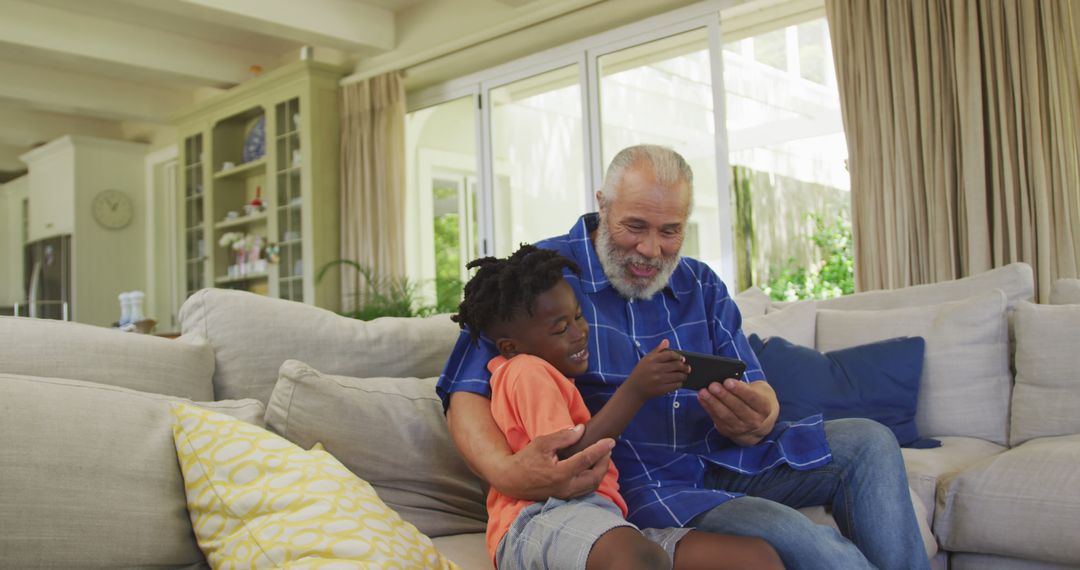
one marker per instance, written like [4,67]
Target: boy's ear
[506,346]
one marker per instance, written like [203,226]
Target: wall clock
[112,209]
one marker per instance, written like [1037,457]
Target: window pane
[440,226]
[538,159]
[788,156]
[661,93]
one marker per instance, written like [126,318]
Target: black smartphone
[707,368]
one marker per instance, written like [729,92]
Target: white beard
[615,264]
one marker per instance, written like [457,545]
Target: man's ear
[600,200]
[507,347]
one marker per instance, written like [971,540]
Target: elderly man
[715,459]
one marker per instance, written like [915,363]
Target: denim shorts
[560,534]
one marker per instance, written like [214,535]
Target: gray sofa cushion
[796,323]
[389,431]
[1021,503]
[1065,292]
[40,347]
[966,561]
[925,467]
[253,335]
[965,385]
[90,476]
[1046,399]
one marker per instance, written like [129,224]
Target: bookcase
[259,185]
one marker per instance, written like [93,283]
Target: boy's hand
[658,373]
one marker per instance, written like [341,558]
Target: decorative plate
[255,141]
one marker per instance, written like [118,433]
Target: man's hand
[536,472]
[743,413]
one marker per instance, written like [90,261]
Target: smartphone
[707,368]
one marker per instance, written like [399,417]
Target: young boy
[523,305]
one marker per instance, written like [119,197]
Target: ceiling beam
[52,90]
[81,37]
[342,24]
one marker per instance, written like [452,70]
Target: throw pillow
[795,322]
[392,433]
[259,501]
[966,381]
[752,302]
[88,476]
[1065,292]
[1047,392]
[878,381]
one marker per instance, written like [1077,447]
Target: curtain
[963,121]
[372,182]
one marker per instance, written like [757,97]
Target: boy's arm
[535,472]
[658,372]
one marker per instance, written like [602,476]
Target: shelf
[194,228]
[244,170]
[291,168]
[250,277]
[291,278]
[241,221]
[287,243]
[288,134]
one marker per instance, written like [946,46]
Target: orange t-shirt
[529,397]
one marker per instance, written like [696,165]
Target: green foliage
[833,276]
[448,284]
[382,296]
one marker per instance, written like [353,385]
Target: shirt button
[637,343]
[675,405]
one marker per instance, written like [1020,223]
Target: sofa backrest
[252,336]
[1016,280]
[40,347]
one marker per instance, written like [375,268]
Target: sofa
[91,477]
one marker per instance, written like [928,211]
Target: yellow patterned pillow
[258,501]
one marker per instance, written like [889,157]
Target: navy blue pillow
[879,381]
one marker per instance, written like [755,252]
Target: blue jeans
[866,486]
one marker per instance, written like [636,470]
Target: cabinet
[86,260]
[259,178]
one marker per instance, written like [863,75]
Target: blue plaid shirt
[663,454]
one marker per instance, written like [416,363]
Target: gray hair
[668,166]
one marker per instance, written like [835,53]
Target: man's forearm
[476,435]
[534,473]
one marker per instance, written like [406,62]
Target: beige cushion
[468,550]
[90,476]
[252,335]
[1021,503]
[965,383]
[389,431]
[966,561]
[1015,280]
[820,516]
[752,302]
[41,347]
[1065,292]
[925,467]
[796,323]
[1046,399]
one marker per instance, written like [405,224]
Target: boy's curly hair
[501,288]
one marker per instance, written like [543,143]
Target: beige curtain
[372,181]
[963,121]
